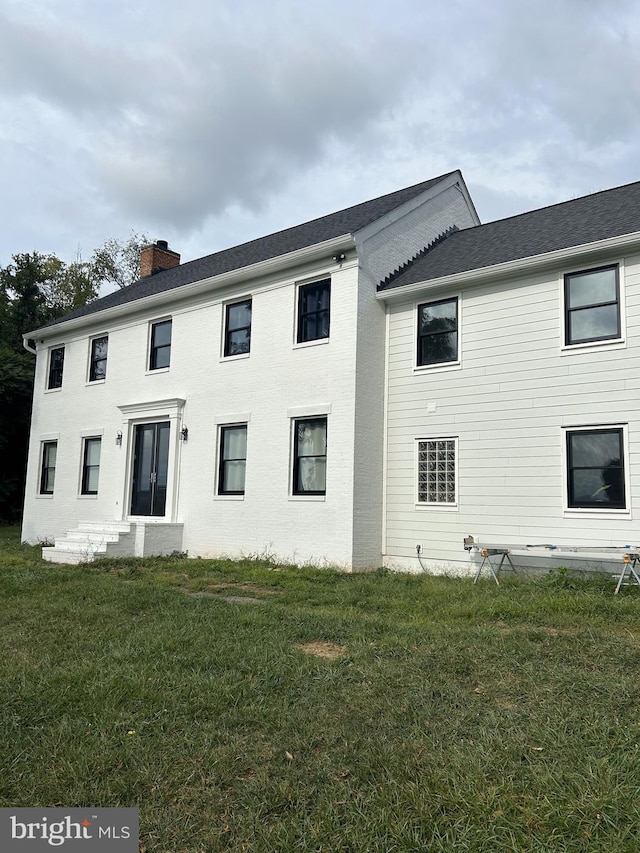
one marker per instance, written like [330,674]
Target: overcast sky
[210,122]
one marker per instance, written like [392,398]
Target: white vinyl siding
[516,390]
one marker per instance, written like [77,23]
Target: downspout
[385,432]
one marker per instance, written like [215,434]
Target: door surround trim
[169,409]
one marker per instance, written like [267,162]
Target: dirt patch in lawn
[219,589]
[331,651]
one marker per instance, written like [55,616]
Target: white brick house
[232,405]
[388,376]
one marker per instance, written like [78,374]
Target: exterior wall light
[119,438]
[184,434]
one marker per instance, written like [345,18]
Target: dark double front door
[150,466]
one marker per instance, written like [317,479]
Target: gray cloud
[212,117]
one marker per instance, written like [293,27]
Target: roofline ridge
[557,204]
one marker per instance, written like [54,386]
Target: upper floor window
[233,459]
[237,328]
[438,332]
[160,351]
[313,310]
[592,305]
[437,471]
[310,457]
[56,365]
[48,468]
[91,466]
[595,468]
[98,360]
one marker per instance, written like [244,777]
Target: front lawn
[256,707]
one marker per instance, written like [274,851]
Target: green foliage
[117,262]
[35,289]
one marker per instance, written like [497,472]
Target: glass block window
[437,471]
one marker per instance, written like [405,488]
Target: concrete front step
[59,555]
[80,546]
[92,540]
[104,526]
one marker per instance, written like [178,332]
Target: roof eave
[308,254]
[611,245]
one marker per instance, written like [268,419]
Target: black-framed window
[237,328]
[160,354]
[438,332]
[437,471]
[56,367]
[233,459]
[91,465]
[595,468]
[48,467]
[314,303]
[592,305]
[98,361]
[310,456]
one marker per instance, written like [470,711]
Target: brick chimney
[156,258]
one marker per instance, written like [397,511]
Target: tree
[117,262]
[36,289]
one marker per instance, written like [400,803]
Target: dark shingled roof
[346,221]
[610,213]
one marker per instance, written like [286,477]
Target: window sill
[308,498]
[592,513]
[53,390]
[315,343]
[95,382]
[228,497]
[87,497]
[41,497]
[157,370]
[239,357]
[440,507]
[437,368]
[593,346]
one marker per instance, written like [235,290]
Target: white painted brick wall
[276,378]
[403,238]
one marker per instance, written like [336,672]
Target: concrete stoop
[93,540]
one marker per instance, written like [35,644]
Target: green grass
[458,718]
